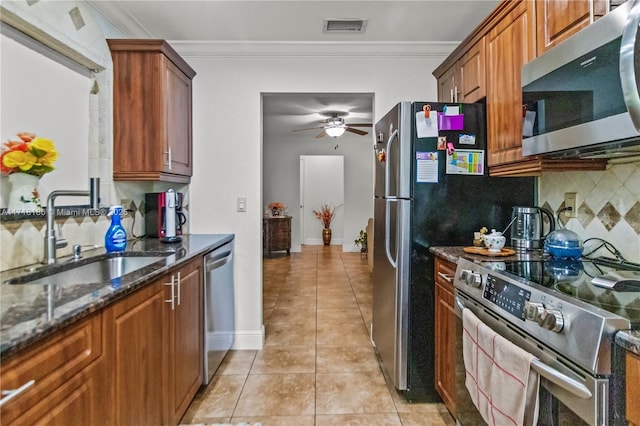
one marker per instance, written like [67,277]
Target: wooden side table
[276,234]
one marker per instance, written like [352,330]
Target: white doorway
[321,182]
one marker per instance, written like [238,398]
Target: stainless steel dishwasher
[218,307]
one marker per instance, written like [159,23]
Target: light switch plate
[242,204]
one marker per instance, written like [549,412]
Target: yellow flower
[22,160]
[44,149]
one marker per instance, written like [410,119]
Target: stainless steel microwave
[580,98]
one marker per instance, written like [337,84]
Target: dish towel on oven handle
[499,379]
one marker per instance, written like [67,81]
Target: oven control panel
[507,297]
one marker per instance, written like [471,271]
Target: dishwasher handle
[218,260]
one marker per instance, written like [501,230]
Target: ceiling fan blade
[360,125]
[310,128]
[356,131]
[321,134]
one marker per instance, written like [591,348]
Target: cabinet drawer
[50,364]
[445,272]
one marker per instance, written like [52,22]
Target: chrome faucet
[51,243]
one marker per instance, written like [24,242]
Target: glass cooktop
[616,288]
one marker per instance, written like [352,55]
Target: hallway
[317,366]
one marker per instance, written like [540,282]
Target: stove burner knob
[533,311]
[552,319]
[472,279]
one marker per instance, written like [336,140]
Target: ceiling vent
[345,25]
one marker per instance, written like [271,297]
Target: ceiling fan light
[334,132]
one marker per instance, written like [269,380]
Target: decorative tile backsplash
[23,240]
[608,204]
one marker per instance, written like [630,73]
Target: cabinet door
[633,389]
[509,46]
[178,108]
[445,334]
[186,343]
[138,361]
[472,84]
[447,85]
[556,20]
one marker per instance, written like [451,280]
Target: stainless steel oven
[581,373]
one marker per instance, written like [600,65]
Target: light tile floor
[317,366]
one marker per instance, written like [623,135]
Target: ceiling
[417,22]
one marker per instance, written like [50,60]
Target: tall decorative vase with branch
[325,214]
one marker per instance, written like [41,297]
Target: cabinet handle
[447,278]
[455,95]
[12,393]
[168,158]
[173,293]
[179,288]
[451,95]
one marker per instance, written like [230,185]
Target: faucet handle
[77,250]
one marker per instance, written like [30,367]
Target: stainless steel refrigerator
[429,191]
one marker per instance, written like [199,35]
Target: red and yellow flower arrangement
[30,154]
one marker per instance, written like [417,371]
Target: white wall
[228,147]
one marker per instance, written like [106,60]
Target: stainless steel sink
[100,270]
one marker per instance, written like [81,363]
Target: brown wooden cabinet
[633,389]
[493,54]
[68,373]
[556,20]
[152,112]
[445,334]
[158,348]
[510,45]
[464,81]
[138,342]
[276,234]
[186,351]
[136,362]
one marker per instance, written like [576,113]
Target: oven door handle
[560,379]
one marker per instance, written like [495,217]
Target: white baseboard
[248,340]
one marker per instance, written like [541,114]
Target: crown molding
[121,19]
[239,49]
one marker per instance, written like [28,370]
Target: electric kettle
[527,231]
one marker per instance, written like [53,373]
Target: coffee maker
[163,216]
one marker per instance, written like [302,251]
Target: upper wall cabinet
[152,112]
[557,20]
[488,64]
[510,45]
[464,80]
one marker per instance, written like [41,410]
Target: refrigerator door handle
[387,174]
[387,229]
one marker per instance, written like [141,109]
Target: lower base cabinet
[138,356]
[68,374]
[445,334]
[137,362]
[186,344]
[158,348]
[633,389]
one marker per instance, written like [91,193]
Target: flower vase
[326,236]
[24,193]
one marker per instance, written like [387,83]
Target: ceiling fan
[335,126]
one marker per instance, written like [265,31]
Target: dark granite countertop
[30,312]
[628,339]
